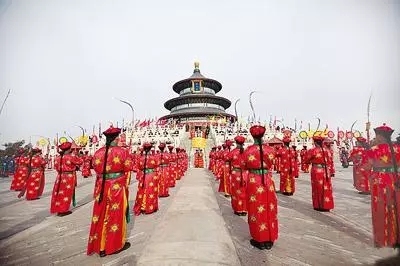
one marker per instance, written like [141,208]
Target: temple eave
[221,101]
[187,83]
[196,114]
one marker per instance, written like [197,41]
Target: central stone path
[192,232]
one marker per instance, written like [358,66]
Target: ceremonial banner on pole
[198,142]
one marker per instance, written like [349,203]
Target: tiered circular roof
[187,83]
[197,97]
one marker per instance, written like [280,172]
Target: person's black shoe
[257,244]
[61,214]
[102,253]
[243,214]
[125,247]
[324,210]
[268,244]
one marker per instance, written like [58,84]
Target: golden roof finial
[196,64]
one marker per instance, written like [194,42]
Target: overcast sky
[65,60]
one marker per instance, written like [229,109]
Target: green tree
[11,148]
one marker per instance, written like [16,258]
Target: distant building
[197,104]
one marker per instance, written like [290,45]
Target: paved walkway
[192,231]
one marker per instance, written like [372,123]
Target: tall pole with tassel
[368,124]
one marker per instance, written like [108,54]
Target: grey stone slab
[192,226]
[194,198]
[189,253]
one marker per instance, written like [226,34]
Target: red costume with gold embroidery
[321,185]
[163,172]
[20,172]
[385,188]
[110,209]
[287,170]
[262,205]
[305,167]
[211,158]
[64,187]
[87,165]
[218,170]
[35,182]
[360,176]
[329,146]
[198,159]
[173,175]
[147,193]
[225,182]
[296,162]
[238,178]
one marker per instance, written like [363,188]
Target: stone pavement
[193,226]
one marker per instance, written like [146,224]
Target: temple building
[198,103]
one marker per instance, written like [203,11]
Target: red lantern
[331,134]
[349,134]
[340,134]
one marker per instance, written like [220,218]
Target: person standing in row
[225,182]
[287,173]
[87,165]
[147,194]
[110,209]
[20,171]
[321,185]
[305,167]
[238,178]
[262,204]
[163,172]
[360,176]
[382,163]
[35,182]
[64,188]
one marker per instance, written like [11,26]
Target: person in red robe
[172,167]
[321,184]
[277,161]
[305,167]
[19,173]
[87,165]
[382,162]
[218,163]
[360,176]
[262,204]
[287,173]
[163,172]
[22,172]
[329,146]
[64,187]
[179,163]
[211,159]
[296,161]
[36,180]
[225,182]
[238,178]
[110,209]
[198,159]
[147,194]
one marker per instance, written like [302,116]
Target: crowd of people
[157,170]
[245,175]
